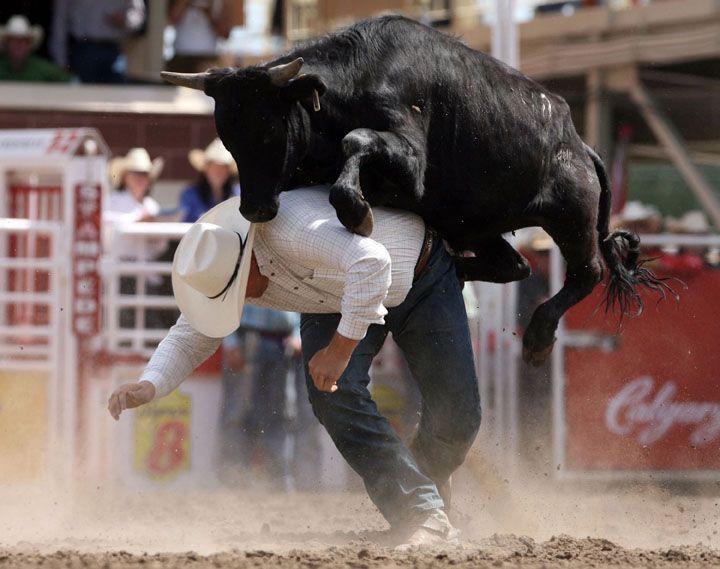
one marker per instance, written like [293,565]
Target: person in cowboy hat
[217,180]
[17,62]
[352,291]
[132,176]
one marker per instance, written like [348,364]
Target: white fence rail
[138,302]
[30,294]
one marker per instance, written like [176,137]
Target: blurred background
[102,167]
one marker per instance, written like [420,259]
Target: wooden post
[598,114]
[676,149]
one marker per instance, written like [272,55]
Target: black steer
[414,119]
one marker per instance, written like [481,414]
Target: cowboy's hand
[328,364]
[129,396]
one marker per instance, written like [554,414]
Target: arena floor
[530,526]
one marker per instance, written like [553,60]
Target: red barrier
[654,403]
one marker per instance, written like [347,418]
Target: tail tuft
[621,251]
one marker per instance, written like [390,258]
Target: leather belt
[431,237]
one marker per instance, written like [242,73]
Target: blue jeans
[431,329]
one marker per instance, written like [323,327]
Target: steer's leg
[495,261]
[577,239]
[390,153]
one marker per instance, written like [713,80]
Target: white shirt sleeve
[175,358]
[326,244]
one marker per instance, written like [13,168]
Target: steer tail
[621,252]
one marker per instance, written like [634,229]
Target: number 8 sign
[162,437]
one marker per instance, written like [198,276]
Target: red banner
[86,255]
[654,403]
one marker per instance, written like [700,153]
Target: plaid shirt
[313,265]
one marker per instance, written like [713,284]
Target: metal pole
[505,47]
[505,44]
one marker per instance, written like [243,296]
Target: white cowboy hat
[215,152]
[136,160]
[638,211]
[694,221]
[19,27]
[211,268]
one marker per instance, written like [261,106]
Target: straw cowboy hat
[215,152]
[211,268]
[694,221]
[19,27]
[136,160]
[638,211]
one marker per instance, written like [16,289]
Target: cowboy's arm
[175,358]
[182,350]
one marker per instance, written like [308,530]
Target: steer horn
[280,75]
[191,80]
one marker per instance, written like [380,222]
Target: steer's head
[259,121]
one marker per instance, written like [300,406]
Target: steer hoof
[366,225]
[536,359]
[352,210]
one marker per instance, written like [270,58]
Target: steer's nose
[259,214]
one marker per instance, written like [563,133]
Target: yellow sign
[23,427]
[162,437]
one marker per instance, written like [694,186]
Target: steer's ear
[303,87]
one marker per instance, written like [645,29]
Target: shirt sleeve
[326,244]
[175,358]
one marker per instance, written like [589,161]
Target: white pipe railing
[20,340]
[133,335]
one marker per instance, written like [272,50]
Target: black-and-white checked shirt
[314,265]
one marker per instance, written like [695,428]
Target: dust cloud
[525,520]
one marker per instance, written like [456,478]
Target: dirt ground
[525,525]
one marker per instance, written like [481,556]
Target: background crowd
[85,40]
[88,41]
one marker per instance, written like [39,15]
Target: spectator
[39,12]
[133,176]
[638,217]
[686,262]
[18,63]
[198,26]
[216,183]
[87,36]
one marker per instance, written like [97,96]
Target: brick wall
[169,136]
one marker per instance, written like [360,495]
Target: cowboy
[351,291]
[19,40]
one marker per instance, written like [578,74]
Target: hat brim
[218,317]
[197,160]
[119,166]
